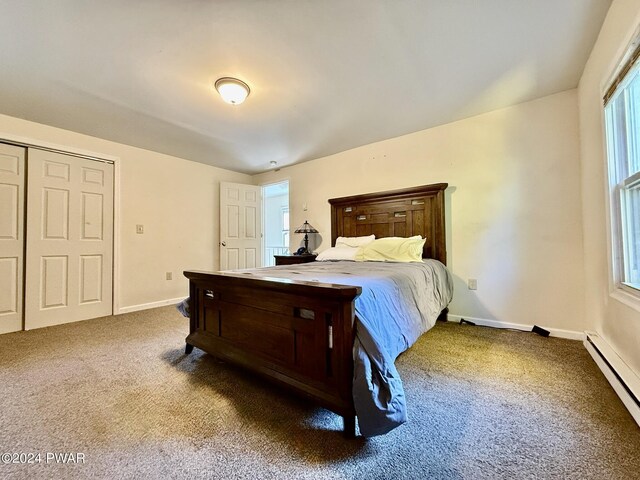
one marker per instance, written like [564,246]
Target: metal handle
[224,244]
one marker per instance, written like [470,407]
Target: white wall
[514,211]
[616,321]
[176,200]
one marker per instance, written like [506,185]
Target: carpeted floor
[483,403]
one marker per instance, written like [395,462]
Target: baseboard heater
[621,377]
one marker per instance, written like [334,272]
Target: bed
[302,332]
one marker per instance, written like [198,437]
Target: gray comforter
[399,302]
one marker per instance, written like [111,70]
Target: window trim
[624,67]
[625,292]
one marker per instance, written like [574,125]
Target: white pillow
[392,249]
[337,253]
[354,242]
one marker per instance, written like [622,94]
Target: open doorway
[276,221]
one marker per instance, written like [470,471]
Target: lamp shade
[306,227]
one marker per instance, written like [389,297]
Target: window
[285,226]
[622,116]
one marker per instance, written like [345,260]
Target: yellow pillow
[392,249]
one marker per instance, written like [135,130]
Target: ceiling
[325,76]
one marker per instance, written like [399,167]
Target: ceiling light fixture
[232,90]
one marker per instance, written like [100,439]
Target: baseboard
[555,332]
[147,306]
[623,379]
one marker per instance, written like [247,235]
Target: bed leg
[349,426]
[188,349]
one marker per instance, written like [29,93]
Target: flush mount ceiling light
[232,90]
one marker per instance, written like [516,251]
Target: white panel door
[12,180]
[69,239]
[240,226]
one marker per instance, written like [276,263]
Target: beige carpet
[483,403]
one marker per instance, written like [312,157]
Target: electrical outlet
[139,229]
[169,275]
[473,284]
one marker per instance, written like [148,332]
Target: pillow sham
[392,249]
[337,253]
[354,242]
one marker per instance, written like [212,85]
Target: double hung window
[622,123]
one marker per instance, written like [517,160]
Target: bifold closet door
[69,259]
[12,180]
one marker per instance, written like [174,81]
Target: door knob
[224,244]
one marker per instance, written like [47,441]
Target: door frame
[264,235]
[79,152]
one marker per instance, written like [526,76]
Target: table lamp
[306,228]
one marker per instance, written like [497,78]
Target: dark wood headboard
[396,213]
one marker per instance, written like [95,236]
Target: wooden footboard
[298,334]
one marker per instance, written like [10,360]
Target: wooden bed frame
[300,334]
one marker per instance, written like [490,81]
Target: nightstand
[294,259]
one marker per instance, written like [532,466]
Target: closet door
[12,180]
[69,239]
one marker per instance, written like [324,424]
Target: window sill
[632,288]
[628,296]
